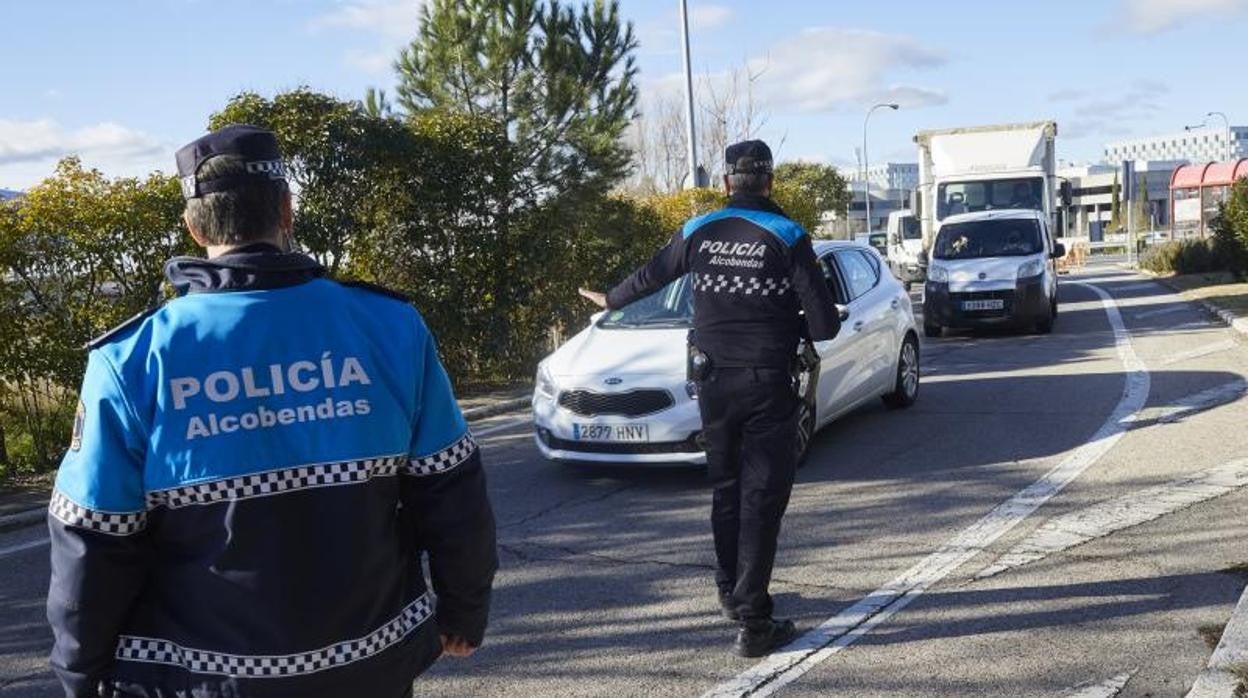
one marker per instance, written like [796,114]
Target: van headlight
[545,383]
[1026,270]
[938,274]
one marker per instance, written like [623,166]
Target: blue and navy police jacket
[752,270]
[257,469]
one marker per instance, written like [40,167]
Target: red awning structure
[1209,174]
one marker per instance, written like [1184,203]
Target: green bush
[1184,257]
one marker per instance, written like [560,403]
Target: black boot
[758,638]
[728,608]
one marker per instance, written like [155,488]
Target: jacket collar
[755,203]
[254,267]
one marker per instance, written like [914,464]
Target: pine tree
[559,81]
[1115,205]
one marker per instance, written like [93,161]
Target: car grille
[693,444]
[634,403]
[1006,295]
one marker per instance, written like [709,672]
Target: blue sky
[124,82]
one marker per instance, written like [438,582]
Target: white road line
[28,545]
[1159,312]
[510,424]
[1198,402]
[1106,689]
[1065,532]
[785,666]
[1206,350]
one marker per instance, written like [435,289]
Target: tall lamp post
[690,135]
[866,161]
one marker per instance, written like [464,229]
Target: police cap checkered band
[256,146]
[748,157]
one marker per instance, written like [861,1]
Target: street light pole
[1226,121]
[866,160]
[690,134]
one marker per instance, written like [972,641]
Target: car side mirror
[842,311]
[1059,251]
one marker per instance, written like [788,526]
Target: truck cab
[905,251]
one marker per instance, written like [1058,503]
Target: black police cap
[256,146]
[748,157]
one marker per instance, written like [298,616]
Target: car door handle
[858,326]
[896,304]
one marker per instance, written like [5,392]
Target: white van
[905,247]
[992,268]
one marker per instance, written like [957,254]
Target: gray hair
[755,183]
[240,215]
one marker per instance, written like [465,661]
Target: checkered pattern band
[443,460]
[745,285]
[154,651]
[71,513]
[277,481]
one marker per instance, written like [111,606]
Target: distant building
[1197,145]
[902,176]
[1092,193]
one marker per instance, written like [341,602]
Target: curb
[1229,664]
[1227,318]
[22,519]
[497,408]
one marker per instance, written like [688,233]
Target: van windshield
[671,306]
[993,238]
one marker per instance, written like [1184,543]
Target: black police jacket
[752,269]
[258,469]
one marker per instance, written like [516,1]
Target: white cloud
[1113,111]
[825,68]
[1152,16]
[29,150]
[375,62]
[709,16]
[392,18]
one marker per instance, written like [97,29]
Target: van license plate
[993,304]
[621,433]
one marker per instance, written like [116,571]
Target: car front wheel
[906,387]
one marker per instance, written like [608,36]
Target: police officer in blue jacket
[257,470]
[752,270]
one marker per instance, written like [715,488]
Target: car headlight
[1027,270]
[937,274]
[544,383]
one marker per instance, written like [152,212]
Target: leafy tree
[337,156]
[1230,229]
[560,82]
[78,254]
[806,191]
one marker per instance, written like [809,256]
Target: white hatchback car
[618,392]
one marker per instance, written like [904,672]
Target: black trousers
[749,420]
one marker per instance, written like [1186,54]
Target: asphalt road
[606,590]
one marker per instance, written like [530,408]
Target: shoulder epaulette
[127,324]
[375,288]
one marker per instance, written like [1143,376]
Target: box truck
[985,168]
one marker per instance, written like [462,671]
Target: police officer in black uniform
[752,270]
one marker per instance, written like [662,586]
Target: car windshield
[953,198]
[993,238]
[672,306]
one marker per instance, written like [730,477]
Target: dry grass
[1219,289]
